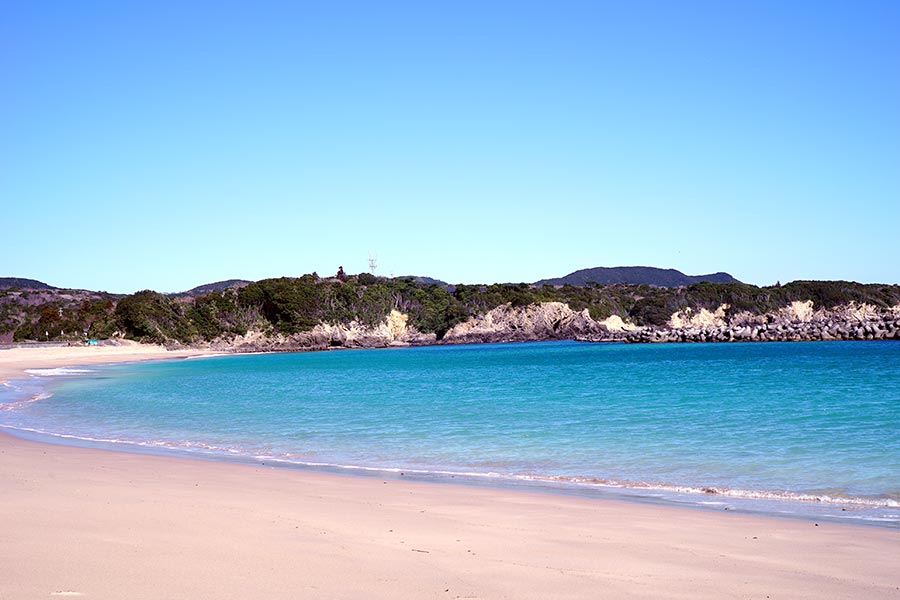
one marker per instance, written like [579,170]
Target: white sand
[14,361]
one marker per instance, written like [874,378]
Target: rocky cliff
[556,321]
[544,321]
[393,331]
[798,321]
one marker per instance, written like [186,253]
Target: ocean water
[804,429]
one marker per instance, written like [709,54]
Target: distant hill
[422,279]
[213,287]
[637,276]
[21,282]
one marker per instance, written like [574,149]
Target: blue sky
[163,146]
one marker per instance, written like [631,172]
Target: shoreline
[14,361]
[761,503]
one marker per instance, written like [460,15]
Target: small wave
[369,469]
[23,403]
[854,501]
[731,492]
[185,445]
[58,371]
[704,495]
[11,386]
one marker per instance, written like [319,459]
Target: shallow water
[810,429]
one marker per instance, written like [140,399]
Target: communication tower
[373,264]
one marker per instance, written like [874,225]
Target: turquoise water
[797,428]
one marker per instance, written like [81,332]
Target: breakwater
[790,325]
[883,329]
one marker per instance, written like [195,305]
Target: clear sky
[167,144]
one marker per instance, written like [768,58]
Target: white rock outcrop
[616,323]
[394,330]
[689,319]
[547,320]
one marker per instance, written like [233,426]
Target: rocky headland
[795,323]
[393,331]
[364,311]
[556,321]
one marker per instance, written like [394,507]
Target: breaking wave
[58,371]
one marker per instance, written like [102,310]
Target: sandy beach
[14,361]
[79,522]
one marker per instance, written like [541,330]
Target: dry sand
[100,524]
[14,361]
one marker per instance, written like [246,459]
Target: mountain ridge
[216,286]
[636,275]
[24,283]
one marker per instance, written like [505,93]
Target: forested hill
[213,287]
[21,282]
[288,306]
[636,276]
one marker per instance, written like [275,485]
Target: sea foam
[58,371]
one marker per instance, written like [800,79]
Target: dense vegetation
[53,314]
[216,286]
[292,305]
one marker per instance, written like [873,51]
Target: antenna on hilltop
[373,264]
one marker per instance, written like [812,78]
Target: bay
[808,429]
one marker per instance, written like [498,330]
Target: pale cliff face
[687,318]
[532,317]
[861,312]
[798,311]
[615,323]
[852,312]
[396,324]
[555,320]
[393,331]
[547,320]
